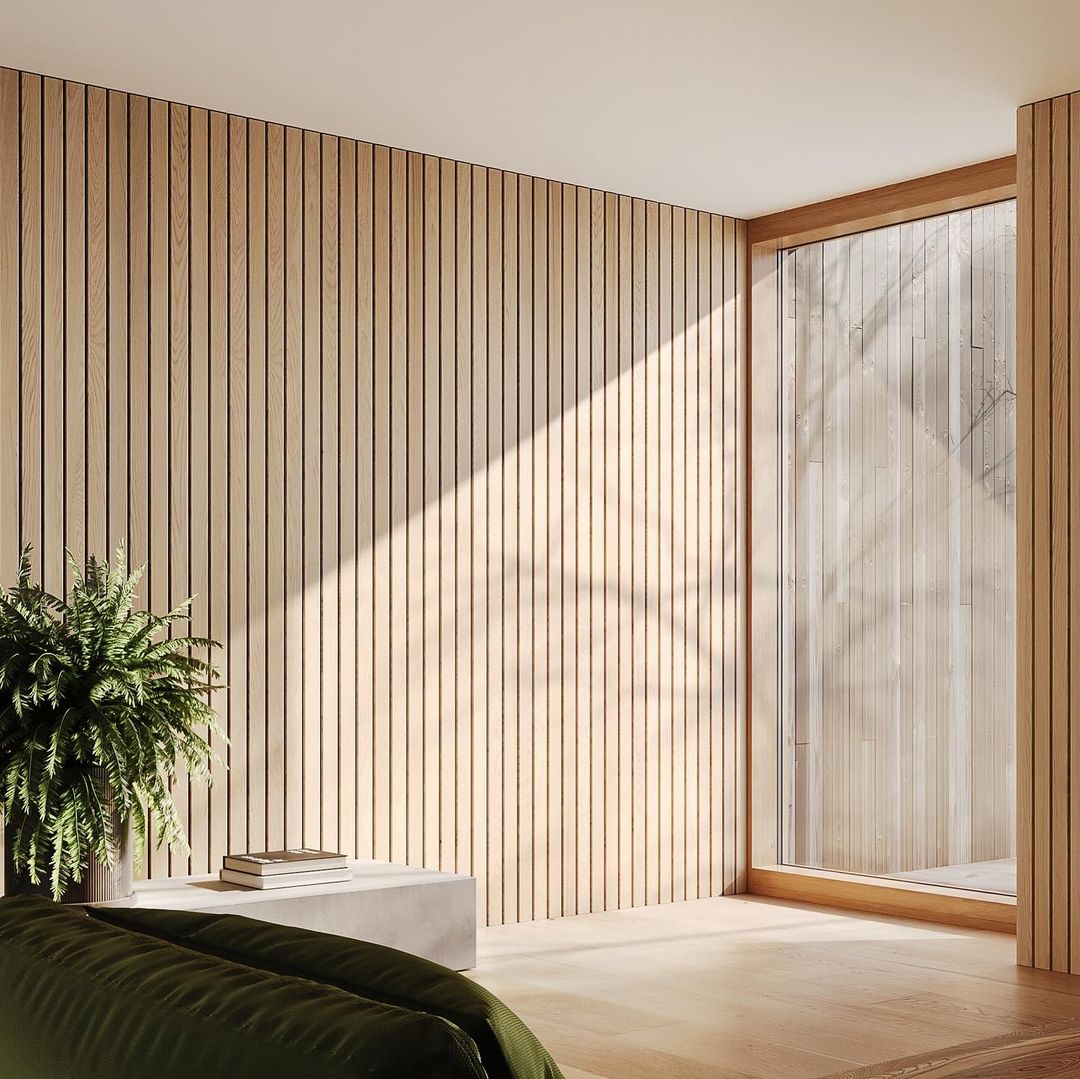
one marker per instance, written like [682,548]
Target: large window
[898,547]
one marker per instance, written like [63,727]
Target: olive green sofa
[119,992]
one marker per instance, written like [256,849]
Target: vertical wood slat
[29,477]
[255,538]
[239,544]
[1059,454]
[275,428]
[52,568]
[348,540]
[292,600]
[1025,898]
[218,383]
[198,460]
[1070,746]
[74,241]
[330,560]
[179,391]
[398,461]
[414,554]
[403,426]
[10,389]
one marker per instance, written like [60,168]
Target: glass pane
[899,510]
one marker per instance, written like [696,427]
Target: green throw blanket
[124,992]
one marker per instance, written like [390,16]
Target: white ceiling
[738,106]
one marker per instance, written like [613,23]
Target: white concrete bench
[422,911]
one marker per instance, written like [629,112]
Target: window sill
[877,895]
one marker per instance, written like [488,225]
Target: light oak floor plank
[744,986]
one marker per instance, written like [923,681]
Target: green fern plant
[98,705]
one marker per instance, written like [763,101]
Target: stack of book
[285,868]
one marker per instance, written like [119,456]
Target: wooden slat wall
[900,391]
[1048,519]
[451,456]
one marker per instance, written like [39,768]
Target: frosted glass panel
[898,669]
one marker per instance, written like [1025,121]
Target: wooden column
[1048,508]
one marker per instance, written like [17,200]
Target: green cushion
[507,1047]
[80,997]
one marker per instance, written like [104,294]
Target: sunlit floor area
[749,987]
[998,875]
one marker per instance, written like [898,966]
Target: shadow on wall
[449,456]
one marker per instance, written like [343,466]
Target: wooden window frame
[927,196]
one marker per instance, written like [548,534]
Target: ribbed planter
[100,884]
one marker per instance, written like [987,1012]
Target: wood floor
[996,875]
[1053,1049]
[749,987]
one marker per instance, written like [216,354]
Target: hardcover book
[286,880]
[269,863]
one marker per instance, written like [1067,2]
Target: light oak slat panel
[651,448]
[480,557]
[330,559]
[463,498]
[571,421]
[381,465]
[312,580]
[639,532]
[1042,401]
[625,669]
[256,538]
[522,552]
[75,322]
[237,532]
[155,587]
[583,552]
[275,428]
[431,480]
[399,478]
[609,396]
[217,590]
[511,582]
[1025,898]
[692,678]
[1073,733]
[664,514]
[497,591]
[729,786]
[293,185]
[394,419]
[365,480]
[539,554]
[96,319]
[30,300]
[52,567]
[199,446]
[1060,535]
[10,390]
[139,399]
[556,577]
[702,403]
[447,516]
[414,559]
[736,647]
[719,535]
[179,405]
[597,575]
[348,791]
